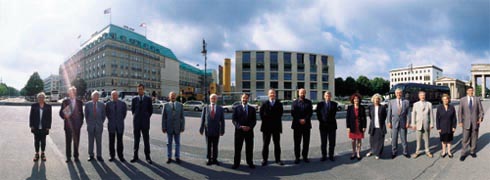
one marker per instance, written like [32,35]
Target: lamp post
[204,53]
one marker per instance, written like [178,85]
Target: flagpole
[110,17]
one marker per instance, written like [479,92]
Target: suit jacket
[301,110]
[173,120]
[34,117]
[422,115]
[469,117]
[382,113]
[241,118]
[326,115]
[398,119]
[116,114]
[95,121]
[351,118]
[75,121]
[213,127]
[142,111]
[271,116]
[446,120]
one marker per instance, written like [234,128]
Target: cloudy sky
[367,37]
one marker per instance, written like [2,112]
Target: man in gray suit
[470,117]
[95,117]
[422,122]
[397,121]
[173,123]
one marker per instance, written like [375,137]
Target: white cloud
[371,62]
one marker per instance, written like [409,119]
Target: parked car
[287,105]
[229,108]
[341,106]
[159,104]
[194,105]
[366,103]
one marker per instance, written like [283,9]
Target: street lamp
[204,53]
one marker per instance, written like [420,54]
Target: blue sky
[367,37]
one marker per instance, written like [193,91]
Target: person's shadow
[38,171]
[76,171]
[131,171]
[104,171]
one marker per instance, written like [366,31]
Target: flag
[79,36]
[143,25]
[107,11]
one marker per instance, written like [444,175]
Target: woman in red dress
[356,124]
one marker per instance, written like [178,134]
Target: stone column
[483,86]
[473,81]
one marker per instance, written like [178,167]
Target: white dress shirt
[376,117]
[41,118]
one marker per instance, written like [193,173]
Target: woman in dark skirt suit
[446,125]
[356,124]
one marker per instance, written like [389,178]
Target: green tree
[479,89]
[350,86]
[81,86]
[363,85]
[339,87]
[34,85]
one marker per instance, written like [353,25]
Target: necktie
[173,106]
[328,106]
[95,110]
[272,103]
[471,103]
[399,106]
[423,104]
[212,111]
[245,110]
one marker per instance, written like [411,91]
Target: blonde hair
[376,96]
[41,94]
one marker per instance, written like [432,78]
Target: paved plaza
[17,151]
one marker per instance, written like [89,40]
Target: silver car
[194,105]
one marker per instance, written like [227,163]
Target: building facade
[456,86]
[52,83]
[257,71]
[418,74]
[119,58]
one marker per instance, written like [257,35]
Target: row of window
[287,76]
[287,85]
[273,56]
[413,78]
[413,72]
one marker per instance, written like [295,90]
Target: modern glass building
[257,71]
[119,58]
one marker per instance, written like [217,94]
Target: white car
[194,105]
[159,104]
[229,108]
[287,105]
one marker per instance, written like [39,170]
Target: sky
[365,37]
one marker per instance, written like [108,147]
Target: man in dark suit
[142,109]
[213,124]
[116,111]
[40,123]
[301,111]
[72,113]
[244,121]
[326,112]
[470,118]
[271,115]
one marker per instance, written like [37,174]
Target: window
[287,76]
[313,85]
[260,76]
[325,60]
[299,58]
[313,77]
[260,85]
[301,77]
[312,60]
[246,76]
[300,85]
[274,76]
[246,57]
[287,85]
[274,63]
[324,77]
[287,62]
[246,85]
[325,86]
[274,84]
[260,61]
[288,95]
[313,95]
[246,66]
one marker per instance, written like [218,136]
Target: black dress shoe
[134,160]
[393,156]
[331,158]
[473,155]
[323,159]
[306,160]
[90,158]
[251,166]
[100,159]
[77,160]
[216,162]
[177,160]
[407,156]
[122,159]
[280,163]
[235,166]
[264,163]
[462,158]
[169,161]
[149,161]
[209,163]
[68,160]
[111,159]
[296,161]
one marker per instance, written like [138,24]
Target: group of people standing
[394,116]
